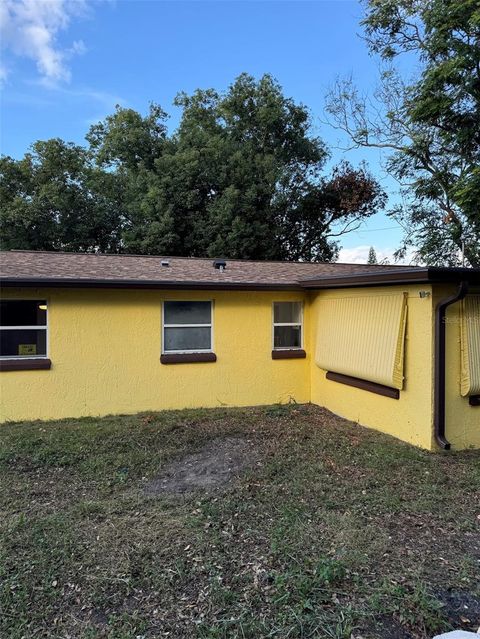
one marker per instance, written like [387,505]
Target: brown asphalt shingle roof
[101,268]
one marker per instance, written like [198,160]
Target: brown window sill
[25,364]
[364,384]
[187,358]
[289,353]
[474,400]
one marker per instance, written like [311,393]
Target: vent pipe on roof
[221,265]
[165,263]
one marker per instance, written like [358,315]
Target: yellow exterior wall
[462,421]
[409,418]
[105,349]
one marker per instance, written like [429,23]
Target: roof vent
[221,265]
[165,263]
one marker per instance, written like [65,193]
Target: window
[187,327]
[23,329]
[287,325]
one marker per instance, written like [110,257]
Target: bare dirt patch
[298,524]
[214,466]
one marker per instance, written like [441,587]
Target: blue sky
[66,63]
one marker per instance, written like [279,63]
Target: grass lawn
[326,529]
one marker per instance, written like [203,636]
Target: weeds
[339,532]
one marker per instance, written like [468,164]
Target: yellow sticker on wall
[27,349]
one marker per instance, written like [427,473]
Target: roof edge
[52,282]
[418,275]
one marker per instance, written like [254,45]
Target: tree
[137,150]
[55,199]
[241,177]
[372,256]
[331,208]
[126,140]
[430,125]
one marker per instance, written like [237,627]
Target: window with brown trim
[187,327]
[287,325]
[23,329]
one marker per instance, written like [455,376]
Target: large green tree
[431,123]
[242,176]
[138,152]
[55,198]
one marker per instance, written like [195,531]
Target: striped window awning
[470,346]
[363,337]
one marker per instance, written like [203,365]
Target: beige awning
[363,337]
[470,345]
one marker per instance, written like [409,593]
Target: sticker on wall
[27,349]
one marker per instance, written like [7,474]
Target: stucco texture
[105,349]
[462,421]
[409,418]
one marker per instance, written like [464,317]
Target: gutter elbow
[442,442]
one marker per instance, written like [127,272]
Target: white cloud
[104,101]
[104,98]
[3,73]
[359,255]
[30,28]
[78,48]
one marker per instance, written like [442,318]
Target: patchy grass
[333,532]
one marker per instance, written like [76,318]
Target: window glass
[287,337]
[23,343]
[16,341]
[287,325]
[187,339]
[287,312]
[187,312]
[23,313]
[187,326]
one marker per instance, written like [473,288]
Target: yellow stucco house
[394,348]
